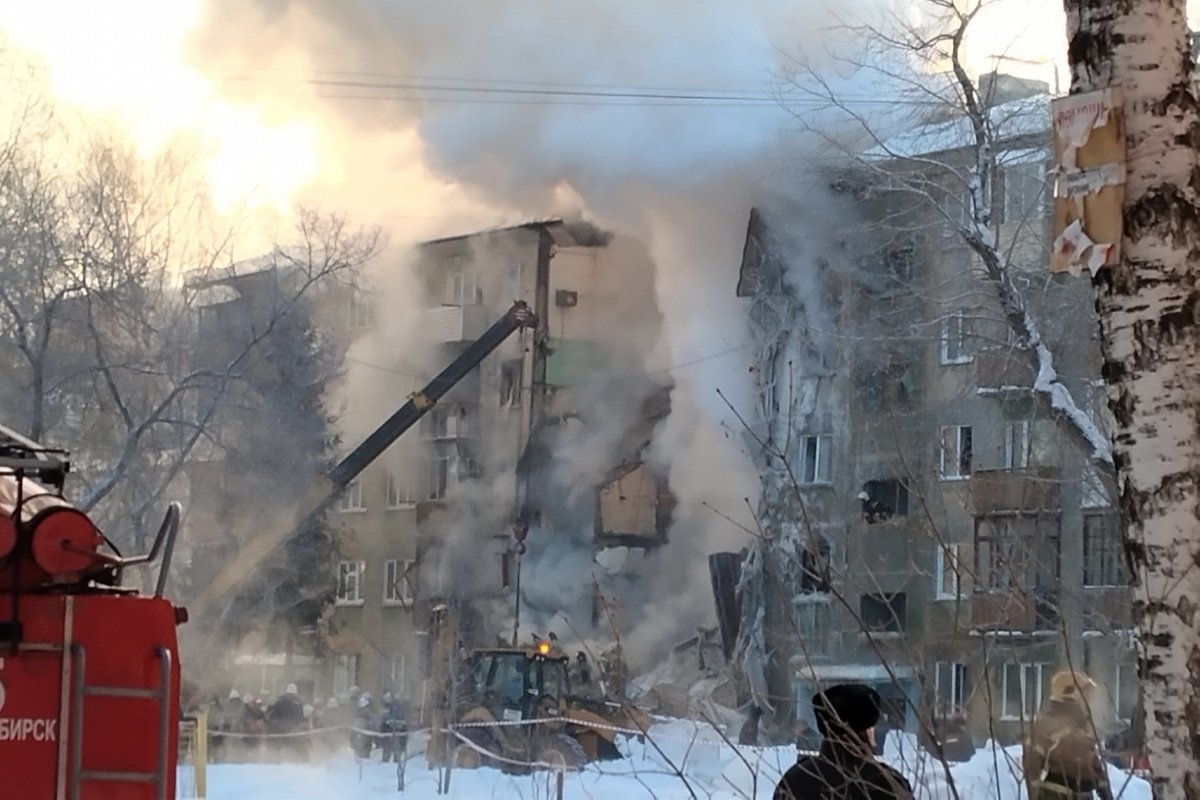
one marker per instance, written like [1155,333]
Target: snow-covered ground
[711,768]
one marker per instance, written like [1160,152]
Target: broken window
[956,334]
[510,382]
[1016,445]
[883,613]
[898,262]
[815,459]
[886,386]
[1015,554]
[397,590]
[814,565]
[349,585]
[439,475]
[1103,554]
[812,626]
[884,499]
[955,462]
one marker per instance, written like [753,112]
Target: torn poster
[1089,187]
[1073,251]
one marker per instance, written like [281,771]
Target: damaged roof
[564,233]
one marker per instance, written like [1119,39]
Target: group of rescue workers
[1062,753]
[249,727]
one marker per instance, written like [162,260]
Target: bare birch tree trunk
[1148,308]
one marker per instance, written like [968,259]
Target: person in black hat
[845,768]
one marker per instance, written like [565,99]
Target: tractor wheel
[467,757]
[563,751]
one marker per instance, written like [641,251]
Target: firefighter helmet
[1070,685]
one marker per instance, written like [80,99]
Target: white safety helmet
[291,689]
[333,703]
[233,695]
[364,700]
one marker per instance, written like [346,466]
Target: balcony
[464,323]
[1014,490]
[1015,611]
[1000,370]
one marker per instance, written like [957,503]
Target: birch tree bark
[1148,308]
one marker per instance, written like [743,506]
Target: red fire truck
[89,671]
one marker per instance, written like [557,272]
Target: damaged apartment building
[533,433]
[932,527]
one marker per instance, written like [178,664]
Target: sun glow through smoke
[125,60]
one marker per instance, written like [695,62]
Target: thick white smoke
[660,121]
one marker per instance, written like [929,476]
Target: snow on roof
[848,672]
[1024,117]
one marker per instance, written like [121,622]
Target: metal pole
[517,605]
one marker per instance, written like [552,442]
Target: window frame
[392,493]
[1119,669]
[1039,670]
[343,597]
[956,671]
[961,336]
[887,601]
[822,455]
[900,499]
[959,474]
[953,552]
[1016,433]
[1035,209]
[353,499]
[1116,568]
[813,619]
[404,599]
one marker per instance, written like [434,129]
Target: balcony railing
[1015,490]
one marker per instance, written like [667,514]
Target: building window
[1095,491]
[464,288]
[1016,445]
[955,339]
[1022,686]
[398,493]
[949,687]
[1125,690]
[345,673]
[1103,553]
[1023,198]
[351,499]
[898,263]
[814,565]
[955,462]
[397,585]
[883,613]
[884,499]
[358,312]
[886,387]
[510,382]
[816,453]
[812,625]
[349,586]
[439,475]
[947,572]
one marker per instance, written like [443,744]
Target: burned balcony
[633,509]
[1034,490]
[1015,611]
[455,323]
[1000,370]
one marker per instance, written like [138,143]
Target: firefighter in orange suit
[1062,756]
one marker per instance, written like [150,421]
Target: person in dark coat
[845,768]
[392,724]
[749,734]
